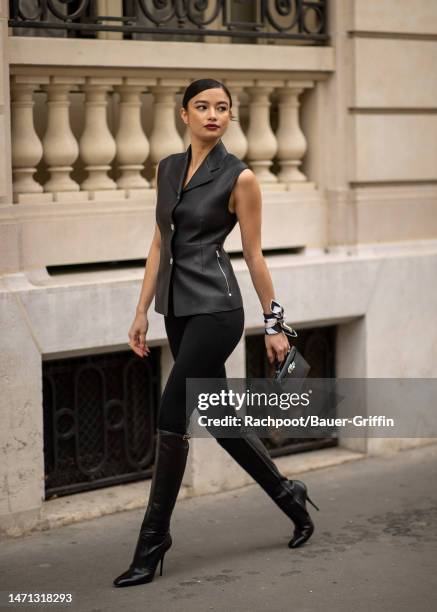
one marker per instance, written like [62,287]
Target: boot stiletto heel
[311,502]
[162,561]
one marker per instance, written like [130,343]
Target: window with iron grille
[99,420]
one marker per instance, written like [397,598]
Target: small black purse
[293,366]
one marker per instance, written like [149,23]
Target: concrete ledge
[159,55]
[292,465]
[93,504]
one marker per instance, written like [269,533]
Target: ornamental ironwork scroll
[303,20]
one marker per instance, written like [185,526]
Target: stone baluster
[97,145]
[261,139]
[164,139]
[59,144]
[27,149]
[132,144]
[234,139]
[292,144]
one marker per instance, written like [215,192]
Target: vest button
[172,226]
[171,260]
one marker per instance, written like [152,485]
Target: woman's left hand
[277,346]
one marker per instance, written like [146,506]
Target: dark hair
[199,85]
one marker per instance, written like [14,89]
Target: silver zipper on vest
[223,272]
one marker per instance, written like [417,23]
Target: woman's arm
[148,286]
[247,205]
[138,330]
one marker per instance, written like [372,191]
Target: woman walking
[201,194]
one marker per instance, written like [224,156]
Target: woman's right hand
[137,335]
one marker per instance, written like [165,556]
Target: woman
[201,194]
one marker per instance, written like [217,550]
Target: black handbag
[293,366]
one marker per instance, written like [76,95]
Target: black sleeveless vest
[194,222]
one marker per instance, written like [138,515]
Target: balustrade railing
[105,160]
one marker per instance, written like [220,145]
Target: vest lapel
[204,173]
[211,163]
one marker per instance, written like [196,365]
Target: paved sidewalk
[374,549]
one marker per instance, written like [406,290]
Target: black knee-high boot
[290,495]
[154,539]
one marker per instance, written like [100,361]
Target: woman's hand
[277,346]
[137,335]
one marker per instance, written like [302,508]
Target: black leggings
[200,345]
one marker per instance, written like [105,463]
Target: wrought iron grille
[99,420]
[317,346]
[303,20]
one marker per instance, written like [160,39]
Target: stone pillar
[97,145]
[164,139]
[132,144]
[292,144]
[21,434]
[27,149]
[60,146]
[261,139]
[235,140]
[5,118]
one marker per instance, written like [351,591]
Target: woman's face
[210,106]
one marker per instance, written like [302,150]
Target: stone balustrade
[115,159]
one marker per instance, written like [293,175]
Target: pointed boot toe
[132,577]
[137,575]
[301,534]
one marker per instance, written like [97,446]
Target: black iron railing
[303,20]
